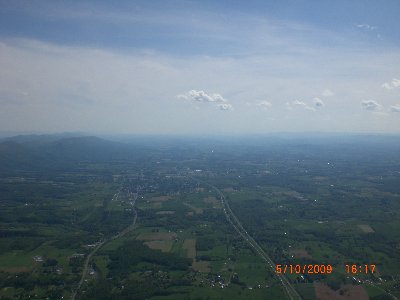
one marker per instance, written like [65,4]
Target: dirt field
[295,195]
[157,236]
[197,210]
[16,269]
[159,199]
[165,212]
[321,178]
[298,253]
[201,266]
[156,204]
[212,201]
[190,246]
[290,193]
[346,292]
[164,246]
[365,228]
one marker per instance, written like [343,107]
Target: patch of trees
[14,233]
[204,243]
[126,257]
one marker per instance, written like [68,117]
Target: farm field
[178,223]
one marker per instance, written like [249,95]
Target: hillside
[47,151]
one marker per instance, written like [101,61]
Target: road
[132,197]
[237,225]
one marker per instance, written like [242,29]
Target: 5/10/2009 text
[304,269]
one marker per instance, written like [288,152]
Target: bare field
[156,204]
[321,178]
[190,246]
[346,292]
[165,212]
[201,266]
[294,194]
[164,246]
[157,236]
[159,199]
[16,269]
[366,228]
[212,201]
[197,210]
[299,253]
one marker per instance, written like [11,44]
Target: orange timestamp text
[360,269]
[304,269]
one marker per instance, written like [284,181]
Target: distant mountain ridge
[37,151]
[61,151]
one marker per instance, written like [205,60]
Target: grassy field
[299,209]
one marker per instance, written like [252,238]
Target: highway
[237,225]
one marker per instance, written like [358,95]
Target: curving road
[101,244]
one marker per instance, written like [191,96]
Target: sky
[200,67]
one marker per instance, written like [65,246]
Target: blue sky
[209,67]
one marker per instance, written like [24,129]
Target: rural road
[101,244]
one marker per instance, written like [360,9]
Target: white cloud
[91,89]
[371,105]
[225,106]
[303,105]
[264,104]
[366,27]
[318,102]
[299,103]
[202,96]
[387,86]
[218,98]
[395,108]
[395,83]
[327,93]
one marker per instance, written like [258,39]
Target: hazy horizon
[201,136]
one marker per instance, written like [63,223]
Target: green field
[183,244]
